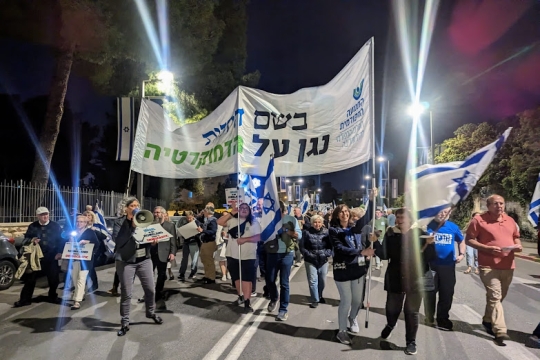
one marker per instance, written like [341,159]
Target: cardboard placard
[154,232]
[74,251]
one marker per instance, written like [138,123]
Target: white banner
[312,131]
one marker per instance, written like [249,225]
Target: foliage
[399,202]
[513,172]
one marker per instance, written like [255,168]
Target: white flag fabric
[312,131]
[443,185]
[126,128]
[534,208]
[304,205]
[271,213]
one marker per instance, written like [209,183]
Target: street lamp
[416,110]
[367,177]
[383,159]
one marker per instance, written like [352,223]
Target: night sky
[296,44]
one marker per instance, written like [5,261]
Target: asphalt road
[202,323]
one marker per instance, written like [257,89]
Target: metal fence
[19,201]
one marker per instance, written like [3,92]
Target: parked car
[8,262]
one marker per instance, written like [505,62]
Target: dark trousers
[444,277]
[279,263]
[161,274]
[261,257]
[394,305]
[92,275]
[537,331]
[116,281]
[51,269]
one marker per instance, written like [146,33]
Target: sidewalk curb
[528,257]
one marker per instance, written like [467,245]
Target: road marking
[512,350]
[23,311]
[223,343]
[241,344]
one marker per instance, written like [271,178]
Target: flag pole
[373,179]
[238,232]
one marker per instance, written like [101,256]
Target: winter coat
[315,246]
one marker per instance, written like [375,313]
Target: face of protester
[297,212]
[442,215]
[496,206]
[354,218]
[159,215]
[134,205]
[82,222]
[317,224]
[190,218]
[344,215]
[403,221]
[43,218]
[378,214]
[243,211]
[90,218]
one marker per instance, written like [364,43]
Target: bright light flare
[381,159]
[416,110]
[166,81]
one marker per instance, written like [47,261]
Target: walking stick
[371,247]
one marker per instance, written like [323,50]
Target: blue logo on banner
[357,92]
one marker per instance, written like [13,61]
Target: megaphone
[142,218]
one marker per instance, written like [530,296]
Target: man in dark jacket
[48,234]
[208,247]
[162,253]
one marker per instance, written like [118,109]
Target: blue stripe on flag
[534,204]
[432,211]
[269,231]
[434,170]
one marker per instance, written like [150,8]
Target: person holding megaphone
[134,258]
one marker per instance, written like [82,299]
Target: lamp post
[416,110]
[164,81]
[387,187]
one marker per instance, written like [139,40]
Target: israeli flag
[443,185]
[125,112]
[99,213]
[271,216]
[304,205]
[534,208]
[252,188]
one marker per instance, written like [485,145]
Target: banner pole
[238,232]
[373,179]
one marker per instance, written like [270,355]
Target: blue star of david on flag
[269,203]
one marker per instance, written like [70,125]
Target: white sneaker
[353,326]
[229,276]
[224,278]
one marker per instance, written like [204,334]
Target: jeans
[279,263]
[394,305]
[444,277]
[161,274]
[126,274]
[188,250]
[261,257]
[316,280]
[52,270]
[350,300]
[496,283]
[472,257]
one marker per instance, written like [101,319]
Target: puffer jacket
[315,246]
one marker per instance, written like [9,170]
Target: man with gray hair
[164,252]
[48,234]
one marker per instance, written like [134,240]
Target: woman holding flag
[349,265]
[244,234]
